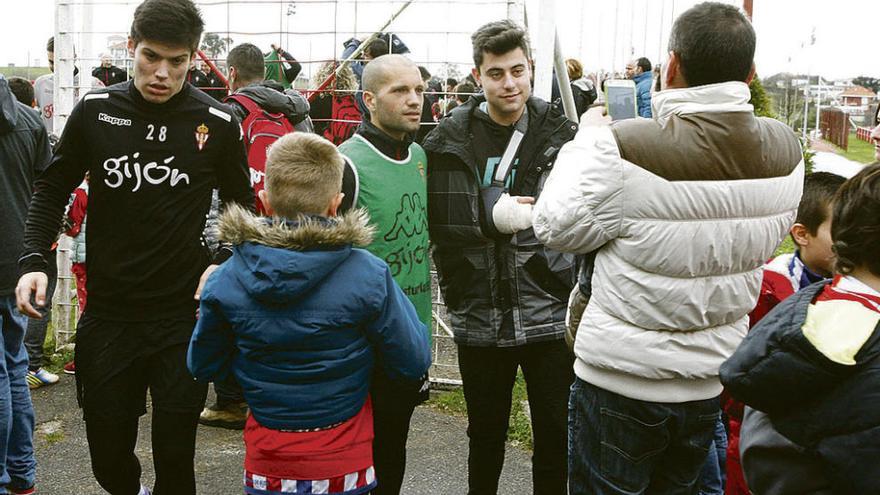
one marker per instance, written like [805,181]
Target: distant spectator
[583,90]
[464,91]
[77,217]
[195,76]
[376,48]
[335,112]
[22,89]
[281,66]
[451,83]
[216,88]
[44,90]
[429,98]
[426,75]
[108,73]
[640,72]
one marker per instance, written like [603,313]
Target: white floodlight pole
[87,51]
[564,82]
[818,102]
[516,12]
[806,106]
[544,52]
[63,91]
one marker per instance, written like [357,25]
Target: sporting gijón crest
[201,136]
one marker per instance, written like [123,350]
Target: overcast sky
[602,33]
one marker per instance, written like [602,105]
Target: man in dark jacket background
[246,77]
[24,153]
[505,293]
[108,73]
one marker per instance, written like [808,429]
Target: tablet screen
[621,102]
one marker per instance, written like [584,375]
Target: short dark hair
[855,226]
[498,38]
[22,89]
[819,191]
[714,42]
[450,81]
[50,45]
[248,62]
[423,72]
[644,64]
[377,48]
[465,87]
[170,22]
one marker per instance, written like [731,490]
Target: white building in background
[856,100]
[117,48]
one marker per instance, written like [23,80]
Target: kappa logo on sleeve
[103,117]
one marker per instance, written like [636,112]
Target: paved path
[835,164]
[437,453]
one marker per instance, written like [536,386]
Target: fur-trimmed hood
[277,260]
[238,226]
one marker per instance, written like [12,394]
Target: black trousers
[393,406]
[488,375]
[116,363]
[116,467]
[228,392]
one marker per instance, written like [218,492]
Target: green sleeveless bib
[394,192]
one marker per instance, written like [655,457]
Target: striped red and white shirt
[333,461]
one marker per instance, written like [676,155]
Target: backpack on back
[260,129]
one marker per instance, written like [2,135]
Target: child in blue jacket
[300,317]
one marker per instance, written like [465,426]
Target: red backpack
[260,129]
[345,119]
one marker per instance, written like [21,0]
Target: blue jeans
[618,445]
[17,462]
[712,477]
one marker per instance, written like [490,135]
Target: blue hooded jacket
[300,317]
[644,81]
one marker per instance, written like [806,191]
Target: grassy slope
[859,151]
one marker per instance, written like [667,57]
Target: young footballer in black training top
[154,148]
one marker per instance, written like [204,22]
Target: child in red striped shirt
[812,365]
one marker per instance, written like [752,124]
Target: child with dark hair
[812,261]
[812,365]
[22,89]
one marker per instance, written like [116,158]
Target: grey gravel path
[437,453]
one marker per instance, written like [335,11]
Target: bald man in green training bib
[385,173]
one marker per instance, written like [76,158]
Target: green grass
[520,430]
[56,361]
[787,246]
[32,72]
[859,151]
[54,437]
